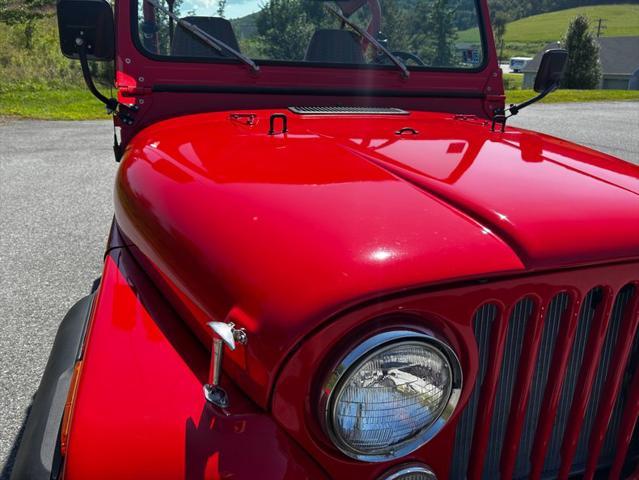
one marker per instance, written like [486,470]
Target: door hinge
[493,103]
[495,98]
[128,91]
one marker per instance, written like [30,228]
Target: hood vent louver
[348,111]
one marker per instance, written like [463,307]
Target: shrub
[38,63]
[583,70]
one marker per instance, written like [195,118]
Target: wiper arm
[210,40]
[363,33]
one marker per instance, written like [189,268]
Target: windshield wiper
[363,33]
[210,40]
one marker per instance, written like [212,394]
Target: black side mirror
[551,69]
[89,23]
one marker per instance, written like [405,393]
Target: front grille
[551,398]
[348,111]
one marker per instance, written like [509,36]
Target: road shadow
[5,473]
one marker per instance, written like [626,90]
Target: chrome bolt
[240,336]
[127,61]
[216,395]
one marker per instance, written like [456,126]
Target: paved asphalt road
[609,127]
[55,209]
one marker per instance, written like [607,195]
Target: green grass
[79,104]
[513,81]
[517,49]
[621,20]
[47,104]
[562,96]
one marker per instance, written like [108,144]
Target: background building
[619,58]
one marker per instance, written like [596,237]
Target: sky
[234,8]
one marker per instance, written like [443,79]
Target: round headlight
[413,471]
[391,395]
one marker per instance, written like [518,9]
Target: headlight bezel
[360,354]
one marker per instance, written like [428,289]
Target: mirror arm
[501,116]
[86,73]
[120,110]
[514,109]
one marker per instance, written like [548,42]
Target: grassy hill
[620,20]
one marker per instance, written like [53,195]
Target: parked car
[331,257]
[517,64]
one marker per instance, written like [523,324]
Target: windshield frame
[413,69]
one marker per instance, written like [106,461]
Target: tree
[316,14]
[435,33]
[395,19]
[13,12]
[25,12]
[284,29]
[221,6]
[583,69]
[444,33]
[499,22]
[165,25]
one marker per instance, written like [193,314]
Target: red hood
[280,232]
[555,203]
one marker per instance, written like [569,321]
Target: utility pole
[601,26]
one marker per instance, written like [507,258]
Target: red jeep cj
[332,258]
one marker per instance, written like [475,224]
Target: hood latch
[223,334]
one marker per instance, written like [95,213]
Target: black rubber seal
[334,92]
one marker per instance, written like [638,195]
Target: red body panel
[140,412]
[313,239]
[141,79]
[287,230]
[140,401]
[447,311]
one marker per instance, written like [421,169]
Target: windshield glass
[418,33]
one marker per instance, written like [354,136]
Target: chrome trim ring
[360,354]
[398,472]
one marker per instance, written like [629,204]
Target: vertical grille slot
[619,365]
[514,341]
[556,311]
[482,325]
[600,318]
[586,315]
[587,375]
[610,442]
[604,365]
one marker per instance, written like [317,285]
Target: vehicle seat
[185,44]
[334,46]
